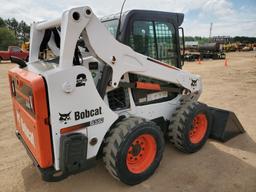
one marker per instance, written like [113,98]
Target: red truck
[14,51]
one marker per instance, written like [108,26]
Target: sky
[229,17]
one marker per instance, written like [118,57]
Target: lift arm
[103,46]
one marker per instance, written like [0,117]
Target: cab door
[157,38]
[154,34]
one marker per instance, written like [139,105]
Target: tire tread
[175,132]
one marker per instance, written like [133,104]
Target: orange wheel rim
[141,153]
[197,133]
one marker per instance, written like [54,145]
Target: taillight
[13,88]
[30,103]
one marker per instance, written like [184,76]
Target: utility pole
[210,35]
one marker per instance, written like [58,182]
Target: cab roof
[150,14]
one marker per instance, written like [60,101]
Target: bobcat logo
[194,82]
[81,80]
[65,117]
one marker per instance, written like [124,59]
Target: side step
[225,125]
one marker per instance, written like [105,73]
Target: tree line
[13,32]
[240,39]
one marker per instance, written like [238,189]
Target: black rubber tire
[118,142]
[181,124]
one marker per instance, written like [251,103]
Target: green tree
[189,38]
[13,25]
[244,39]
[2,23]
[7,38]
[23,30]
[200,40]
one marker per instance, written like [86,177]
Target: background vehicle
[204,51]
[211,51]
[14,51]
[25,46]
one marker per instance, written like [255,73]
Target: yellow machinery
[25,46]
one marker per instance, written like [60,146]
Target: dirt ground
[217,167]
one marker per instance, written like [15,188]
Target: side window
[15,49]
[112,26]
[142,37]
[166,43]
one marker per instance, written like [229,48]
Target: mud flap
[225,125]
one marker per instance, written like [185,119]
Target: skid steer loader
[114,89]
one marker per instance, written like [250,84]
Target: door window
[15,49]
[142,38]
[154,39]
[166,43]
